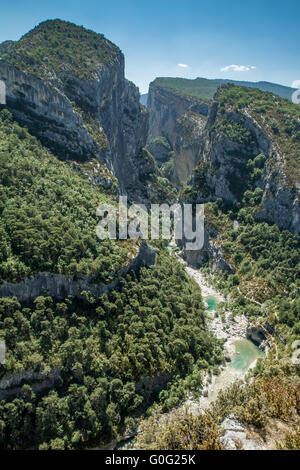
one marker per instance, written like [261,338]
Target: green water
[245,353]
[212,303]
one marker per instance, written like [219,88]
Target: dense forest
[105,349]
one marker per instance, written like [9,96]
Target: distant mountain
[280,90]
[144,99]
[205,89]
[201,88]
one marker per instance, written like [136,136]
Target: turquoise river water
[212,303]
[245,354]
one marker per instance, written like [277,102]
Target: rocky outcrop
[160,149]
[11,383]
[165,107]
[230,140]
[235,437]
[181,120]
[256,334]
[209,253]
[48,113]
[188,145]
[60,286]
[280,204]
[215,142]
[223,166]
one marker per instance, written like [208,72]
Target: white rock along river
[242,352]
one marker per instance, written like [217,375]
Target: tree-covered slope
[275,88]
[57,47]
[262,283]
[111,352]
[48,213]
[201,88]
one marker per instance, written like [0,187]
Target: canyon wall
[180,119]
[60,286]
[223,171]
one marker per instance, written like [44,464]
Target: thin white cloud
[296,84]
[183,65]
[238,68]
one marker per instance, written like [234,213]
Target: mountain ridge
[205,88]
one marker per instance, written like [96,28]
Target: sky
[238,39]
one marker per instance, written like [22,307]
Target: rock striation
[11,383]
[212,143]
[235,436]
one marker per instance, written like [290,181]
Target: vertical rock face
[231,140]
[48,113]
[113,102]
[225,154]
[60,286]
[93,112]
[209,253]
[181,120]
[189,129]
[231,145]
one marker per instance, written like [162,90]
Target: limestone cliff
[39,380]
[60,286]
[241,140]
[210,253]
[180,119]
[243,149]
[67,85]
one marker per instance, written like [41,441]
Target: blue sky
[240,39]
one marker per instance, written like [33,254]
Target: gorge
[100,332]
